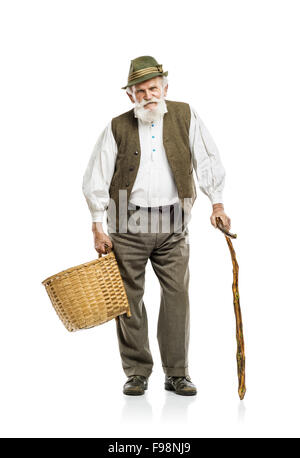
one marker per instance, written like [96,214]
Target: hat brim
[144,78]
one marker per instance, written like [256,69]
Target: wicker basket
[90,294]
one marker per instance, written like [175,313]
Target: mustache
[145,102]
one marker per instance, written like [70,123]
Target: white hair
[164,82]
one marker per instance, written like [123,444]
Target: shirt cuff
[98,216]
[216,198]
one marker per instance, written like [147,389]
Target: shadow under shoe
[181,385]
[135,385]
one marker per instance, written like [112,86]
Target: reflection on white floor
[176,407]
[241,411]
[138,408]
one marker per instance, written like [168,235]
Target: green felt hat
[142,69]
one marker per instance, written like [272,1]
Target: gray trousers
[169,255]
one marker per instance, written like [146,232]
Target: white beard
[146,115]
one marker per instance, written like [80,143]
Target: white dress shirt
[154,184]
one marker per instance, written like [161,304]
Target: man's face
[146,90]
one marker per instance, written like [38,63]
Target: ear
[166,90]
[130,96]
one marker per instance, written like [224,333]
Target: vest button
[131,169]
[136,153]
[127,184]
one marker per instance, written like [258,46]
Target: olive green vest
[176,125]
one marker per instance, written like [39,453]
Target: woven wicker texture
[90,294]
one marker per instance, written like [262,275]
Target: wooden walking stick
[240,356]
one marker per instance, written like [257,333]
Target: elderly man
[141,172]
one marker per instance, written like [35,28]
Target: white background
[63,65]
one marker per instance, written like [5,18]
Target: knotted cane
[240,356]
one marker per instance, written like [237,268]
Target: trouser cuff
[137,370]
[176,371]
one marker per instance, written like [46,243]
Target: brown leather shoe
[181,385]
[135,385]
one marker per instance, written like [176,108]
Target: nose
[148,95]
